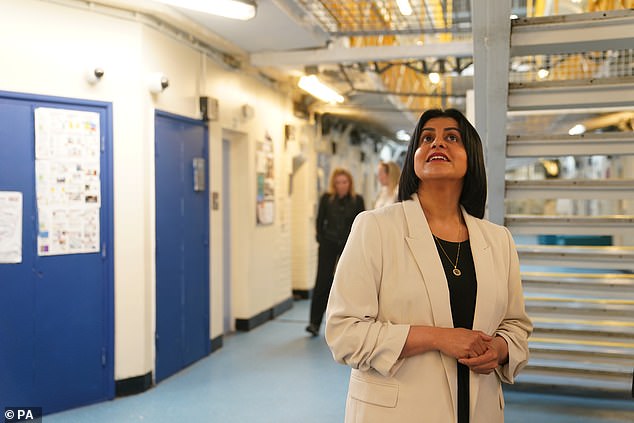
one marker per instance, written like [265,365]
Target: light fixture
[434,78]
[514,16]
[543,73]
[313,86]
[521,67]
[578,129]
[402,135]
[233,9]
[551,167]
[404,7]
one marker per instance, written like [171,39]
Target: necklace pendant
[457,271]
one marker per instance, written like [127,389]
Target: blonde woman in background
[388,174]
[337,209]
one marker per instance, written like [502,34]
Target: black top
[462,294]
[335,217]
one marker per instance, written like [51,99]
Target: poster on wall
[265,172]
[10,227]
[67,181]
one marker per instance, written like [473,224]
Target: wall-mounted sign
[10,227]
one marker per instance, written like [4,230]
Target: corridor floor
[276,373]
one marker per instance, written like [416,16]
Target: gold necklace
[455,270]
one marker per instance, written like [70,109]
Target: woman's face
[342,185]
[381,174]
[440,153]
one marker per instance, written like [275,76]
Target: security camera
[157,82]
[94,75]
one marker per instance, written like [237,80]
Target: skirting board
[246,325]
[215,344]
[302,294]
[133,385]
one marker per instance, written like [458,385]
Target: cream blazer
[390,277]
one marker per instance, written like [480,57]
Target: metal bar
[609,30]
[570,225]
[407,94]
[610,143]
[362,54]
[607,189]
[608,92]
[429,16]
[491,33]
[455,29]
[581,257]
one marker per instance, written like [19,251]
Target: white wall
[261,263]
[47,57]
[304,207]
[49,47]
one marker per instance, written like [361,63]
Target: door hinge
[103,357]
[103,250]
[103,143]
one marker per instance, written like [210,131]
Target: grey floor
[277,374]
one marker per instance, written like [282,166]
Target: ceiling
[363,49]
[302,29]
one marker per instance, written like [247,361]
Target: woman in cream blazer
[389,314]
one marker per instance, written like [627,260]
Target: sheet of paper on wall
[68,181]
[265,179]
[10,227]
[63,134]
[68,230]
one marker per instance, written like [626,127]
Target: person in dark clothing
[337,210]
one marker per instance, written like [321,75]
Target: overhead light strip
[313,86]
[233,9]
[404,7]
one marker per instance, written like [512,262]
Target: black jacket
[335,217]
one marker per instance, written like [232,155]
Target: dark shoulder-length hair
[474,188]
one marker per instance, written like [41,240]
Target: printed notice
[67,181]
[265,201]
[10,227]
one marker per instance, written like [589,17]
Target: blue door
[182,243]
[56,312]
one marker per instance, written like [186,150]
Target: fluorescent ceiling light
[521,67]
[313,86]
[514,16]
[578,129]
[402,135]
[404,7]
[434,78]
[233,9]
[543,73]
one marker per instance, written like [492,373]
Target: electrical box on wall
[200,176]
[208,108]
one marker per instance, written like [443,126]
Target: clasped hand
[473,348]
